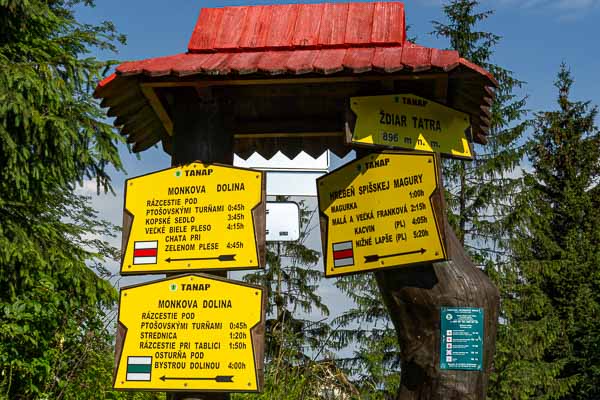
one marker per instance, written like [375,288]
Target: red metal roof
[299,39]
[298,26]
[411,57]
[294,40]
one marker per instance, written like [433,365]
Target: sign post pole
[199,133]
[265,89]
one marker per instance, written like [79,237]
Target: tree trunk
[414,296]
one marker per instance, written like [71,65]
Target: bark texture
[413,296]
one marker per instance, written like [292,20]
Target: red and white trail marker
[145,252]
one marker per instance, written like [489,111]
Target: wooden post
[200,127]
[199,134]
[413,297]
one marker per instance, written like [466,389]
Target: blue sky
[537,35]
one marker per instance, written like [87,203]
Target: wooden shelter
[279,78]
[284,74]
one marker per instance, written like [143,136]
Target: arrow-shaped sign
[218,378]
[376,257]
[222,257]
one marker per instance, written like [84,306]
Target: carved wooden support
[414,296]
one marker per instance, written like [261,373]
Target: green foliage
[550,342]
[51,131]
[375,362]
[308,380]
[137,396]
[292,281]
[54,341]
[474,45]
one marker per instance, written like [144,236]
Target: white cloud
[109,208]
[563,10]
[575,4]
[89,187]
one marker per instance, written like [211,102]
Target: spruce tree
[297,350]
[479,192]
[551,341]
[54,303]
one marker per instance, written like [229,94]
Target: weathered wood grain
[414,297]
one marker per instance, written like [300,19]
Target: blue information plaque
[461,338]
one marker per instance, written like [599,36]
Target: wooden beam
[158,108]
[271,135]
[440,90]
[149,88]
[290,81]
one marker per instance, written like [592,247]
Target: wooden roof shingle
[294,41]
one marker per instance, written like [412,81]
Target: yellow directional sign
[194,217]
[381,211]
[191,332]
[410,122]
